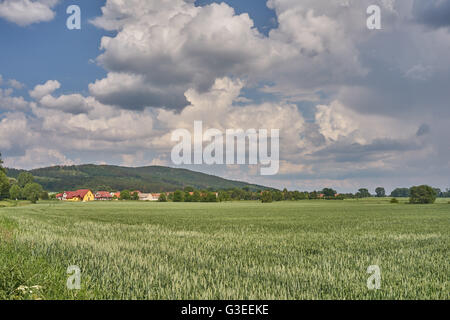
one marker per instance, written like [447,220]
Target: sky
[355,107]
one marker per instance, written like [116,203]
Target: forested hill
[144,179]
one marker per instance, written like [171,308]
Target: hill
[145,179]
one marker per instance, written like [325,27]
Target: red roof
[59,195]
[77,194]
[103,194]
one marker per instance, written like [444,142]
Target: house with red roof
[103,196]
[83,195]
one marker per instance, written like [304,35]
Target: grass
[238,250]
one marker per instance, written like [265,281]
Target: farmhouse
[103,196]
[149,196]
[83,195]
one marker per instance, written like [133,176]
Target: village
[86,195]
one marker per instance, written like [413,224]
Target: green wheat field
[236,250]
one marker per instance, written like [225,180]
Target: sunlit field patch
[238,250]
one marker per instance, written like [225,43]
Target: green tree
[162,197]
[125,195]
[1,164]
[4,186]
[32,191]
[211,197]
[44,195]
[422,195]
[196,196]
[178,196]
[134,196]
[266,197]
[187,196]
[189,189]
[400,193]
[381,193]
[363,193]
[25,178]
[329,193]
[15,192]
[224,196]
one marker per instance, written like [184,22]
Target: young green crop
[236,250]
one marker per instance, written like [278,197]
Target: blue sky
[355,107]
[53,51]
[50,50]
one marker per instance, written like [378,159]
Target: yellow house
[79,195]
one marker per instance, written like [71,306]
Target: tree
[4,186]
[196,197]
[1,165]
[32,191]
[189,189]
[329,193]
[400,193]
[44,195]
[134,196]
[162,197]
[422,195]
[211,197]
[438,192]
[363,193]
[381,193]
[178,196]
[224,196]
[15,192]
[25,178]
[187,196]
[125,195]
[266,197]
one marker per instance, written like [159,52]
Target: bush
[44,195]
[4,186]
[32,191]
[422,195]
[266,197]
[15,192]
[394,200]
[178,196]
[162,197]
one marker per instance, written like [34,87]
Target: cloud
[37,158]
[163,49]
[352,105]
[16,84]
[26,12]
[432,13]
[132,92]
[42,90]
[11,103]
[74,103]
[356,152]
[14,131]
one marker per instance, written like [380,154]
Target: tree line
[22,188]
[25,188]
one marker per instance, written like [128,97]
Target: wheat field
[236,250]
